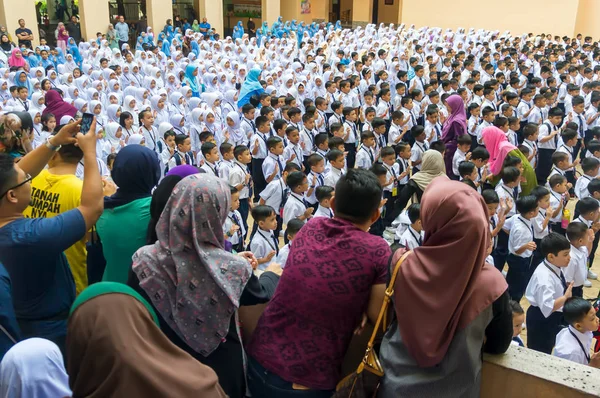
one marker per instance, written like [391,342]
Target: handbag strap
[10,337]
[389,292]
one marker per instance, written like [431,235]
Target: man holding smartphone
[31,249]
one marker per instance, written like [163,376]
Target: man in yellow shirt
[57,190]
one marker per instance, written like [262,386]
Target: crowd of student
[334,140]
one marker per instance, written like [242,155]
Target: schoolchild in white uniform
[296,205]
[547,292]
[233,227]
[414,234]
[264,244]
[574,342]
[293,227]
[324,195]
[581,244]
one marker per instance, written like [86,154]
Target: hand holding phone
[86,122]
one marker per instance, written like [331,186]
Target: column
[362,11]
[271,10]
[290,10]
[13,10]
[158,11]
[94,17]
[586,21]
[212,10]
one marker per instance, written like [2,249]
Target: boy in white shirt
[293,227]
[413,236]
[293,152]
[182,154]
[433,128]
[575,341]
[239,178]
[276,194]
[578,234]
[462,153]
[296,205]
[419,147]
[264,244]
[273,165]
[211,157]
[547,292]
[365,156]
[559,197]
[530,133]
[351,136]
[324,195]
[225,165]
[398,128]
[315,178]
[521,246]
[233,227]
[590,167]
[337,162]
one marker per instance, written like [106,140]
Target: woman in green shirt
[123,225]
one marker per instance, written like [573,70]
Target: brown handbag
[364,381]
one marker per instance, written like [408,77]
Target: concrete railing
[529,374]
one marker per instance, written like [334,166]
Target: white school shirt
[581,185]
[268,166]
[150,136]
[417,151]
[384,110]
[364,158]
[573,345]
[263,152]
[569,151]
[511,136]
[555,170]
[393,172]
[545,287]
[433,130]
[323,154]
[394,133]
[320,181]
[238,236]
[412,121]
[412,239]
[556,201]
[223,168]
[237,176]
[321,121]
[532,148]
[323,212]
[576,271]
[505,192]
[591,112]
[545,130]
[333,176]
[294,207]
[345,99]
[104,171]
[248,127]
[522,109]
[353,135]
[535,116]
[263,243]
[275,193]
[538,223]
[521,233]
[308,138]
[473,125]
[581,122]
[488,104]
[293,149]
[282,257]
[480,129]
[459,156]
[335,118]
[210,168]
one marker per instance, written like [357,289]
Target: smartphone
[86,122]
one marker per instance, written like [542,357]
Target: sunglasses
[28,178]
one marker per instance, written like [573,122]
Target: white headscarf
[34,368]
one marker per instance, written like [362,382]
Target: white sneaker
[587,283]
[592,275]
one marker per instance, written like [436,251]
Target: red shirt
[305,330]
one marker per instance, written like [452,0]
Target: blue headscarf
[138,43]
[32,60]
[250,87]
[190,80]
[338,25]
[195,48]
[27,83]
[169,33]
[74,51]
[60,58]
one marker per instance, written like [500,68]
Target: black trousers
[570,176]
[594,248]
[351,157]
[577,291]
[517,276]
[536,259]
[258,178]
[544,165]
[542,331]
[501,251]
[391,201]
[244,210]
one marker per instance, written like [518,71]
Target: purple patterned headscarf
[192,281]
[183,171]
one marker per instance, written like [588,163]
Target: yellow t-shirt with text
[51,195]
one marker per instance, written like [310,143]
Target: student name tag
[395,190]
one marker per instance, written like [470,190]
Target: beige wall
[94,17]
[320,9]
[271,9]
[518,16]
[13,10]
[389,14]
[587,18]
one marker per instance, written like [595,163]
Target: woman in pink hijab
[455,125]
[433,348]
[16,59]
[497,144]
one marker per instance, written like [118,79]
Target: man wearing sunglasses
[31,249]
